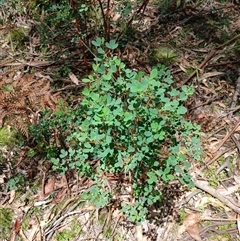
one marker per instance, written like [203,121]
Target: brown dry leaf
[73,78]
[33,64]
[60,195]
[2,178]
[32,233]
[238,223]
[189,223]
[193,231]
[49,187]
[16,227]
[116,17]
[12,196]
[220,104]
[140,236]
[18,222]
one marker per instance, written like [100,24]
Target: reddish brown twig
[74,8]
[106,19]
[142,7]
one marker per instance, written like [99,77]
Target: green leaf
[105,153]
[170,177]
[156,164]
[152,178]
[108,139]
[87,145]
[160,136]
[187,90]
[63,154]
[97,42]
[181,110]
[174,92]
[112,44]
[128,116]
[148,133]
[107,76]
[153,73]
[85,80]
[187,165]
[55,161]
[183,96]
[86,92]
[179,170]
[100,51]
[95,67]
[97,59]
[94,96]
[154,126]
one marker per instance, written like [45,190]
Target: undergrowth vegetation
[128,123]
[97,118]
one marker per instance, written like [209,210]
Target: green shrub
[131,124]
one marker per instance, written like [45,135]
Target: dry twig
[209,57]
[227,201]
[235,96]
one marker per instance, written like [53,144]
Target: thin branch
[235,96]
[142,7]
[209,57]
[74,8]
[227,201]
[104,16]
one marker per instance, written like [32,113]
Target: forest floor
[201,47]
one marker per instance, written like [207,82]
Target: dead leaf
[16,227]
[32,233]
[220,104]
[73,78]
[193,231]
[116,17]
[49,187]
[190,220]
[140,236]
[238,223]
[12,196]
[2,178]
[18,222]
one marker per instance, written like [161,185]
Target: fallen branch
[235,96]
[228,135]
[210,56]
[227,201]
[216,157]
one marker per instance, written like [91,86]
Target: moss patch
[70,232]
[6,216]
[163,54]
[7,136]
